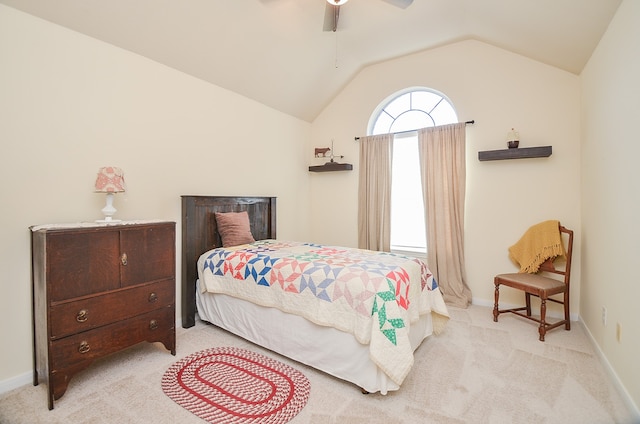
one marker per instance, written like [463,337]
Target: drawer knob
[153,297]
[84,347]
[82,315]
[123,259]
[153,324]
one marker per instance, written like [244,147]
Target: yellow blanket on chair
[539,243]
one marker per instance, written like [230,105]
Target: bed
[371,346]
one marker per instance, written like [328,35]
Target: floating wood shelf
[331,166]
[517,153]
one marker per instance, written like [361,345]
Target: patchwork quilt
[375,296]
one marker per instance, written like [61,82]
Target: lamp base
[108,210]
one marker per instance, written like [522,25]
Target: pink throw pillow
[234,228]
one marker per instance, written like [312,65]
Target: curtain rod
[408,131]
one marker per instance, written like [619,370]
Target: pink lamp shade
[110,180]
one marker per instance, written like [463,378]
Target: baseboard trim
[16,382]
[628,400]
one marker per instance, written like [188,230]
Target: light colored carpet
[476,371]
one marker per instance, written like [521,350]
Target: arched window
[412,109]
[402,114]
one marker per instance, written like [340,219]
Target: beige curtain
[442,164]
[374,193]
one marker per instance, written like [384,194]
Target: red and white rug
[231,385]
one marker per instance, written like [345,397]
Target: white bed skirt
[329,350]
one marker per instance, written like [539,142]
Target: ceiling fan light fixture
[336,2]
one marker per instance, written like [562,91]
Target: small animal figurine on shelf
[321,152]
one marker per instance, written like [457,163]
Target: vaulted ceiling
[276,52]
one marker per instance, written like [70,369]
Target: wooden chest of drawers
[98,289]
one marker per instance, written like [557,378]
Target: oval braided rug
[231,385]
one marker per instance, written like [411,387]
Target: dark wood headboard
[199,234]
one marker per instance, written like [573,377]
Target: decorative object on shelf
[331,165]
[522,153]
[513,139]
[321,152]
[110,180]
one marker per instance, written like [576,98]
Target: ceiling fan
[332,11]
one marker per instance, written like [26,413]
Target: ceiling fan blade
[331,15]
[400,3]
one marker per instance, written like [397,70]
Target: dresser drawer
[91,312]
[154,326]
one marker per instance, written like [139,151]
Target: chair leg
[543,312]
[496,295]
[527,298]
[567,325]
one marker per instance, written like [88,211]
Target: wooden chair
[541,285]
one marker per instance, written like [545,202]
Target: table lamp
[110,180]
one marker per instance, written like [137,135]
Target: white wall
[70,104]
[610,194]
[499,90]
